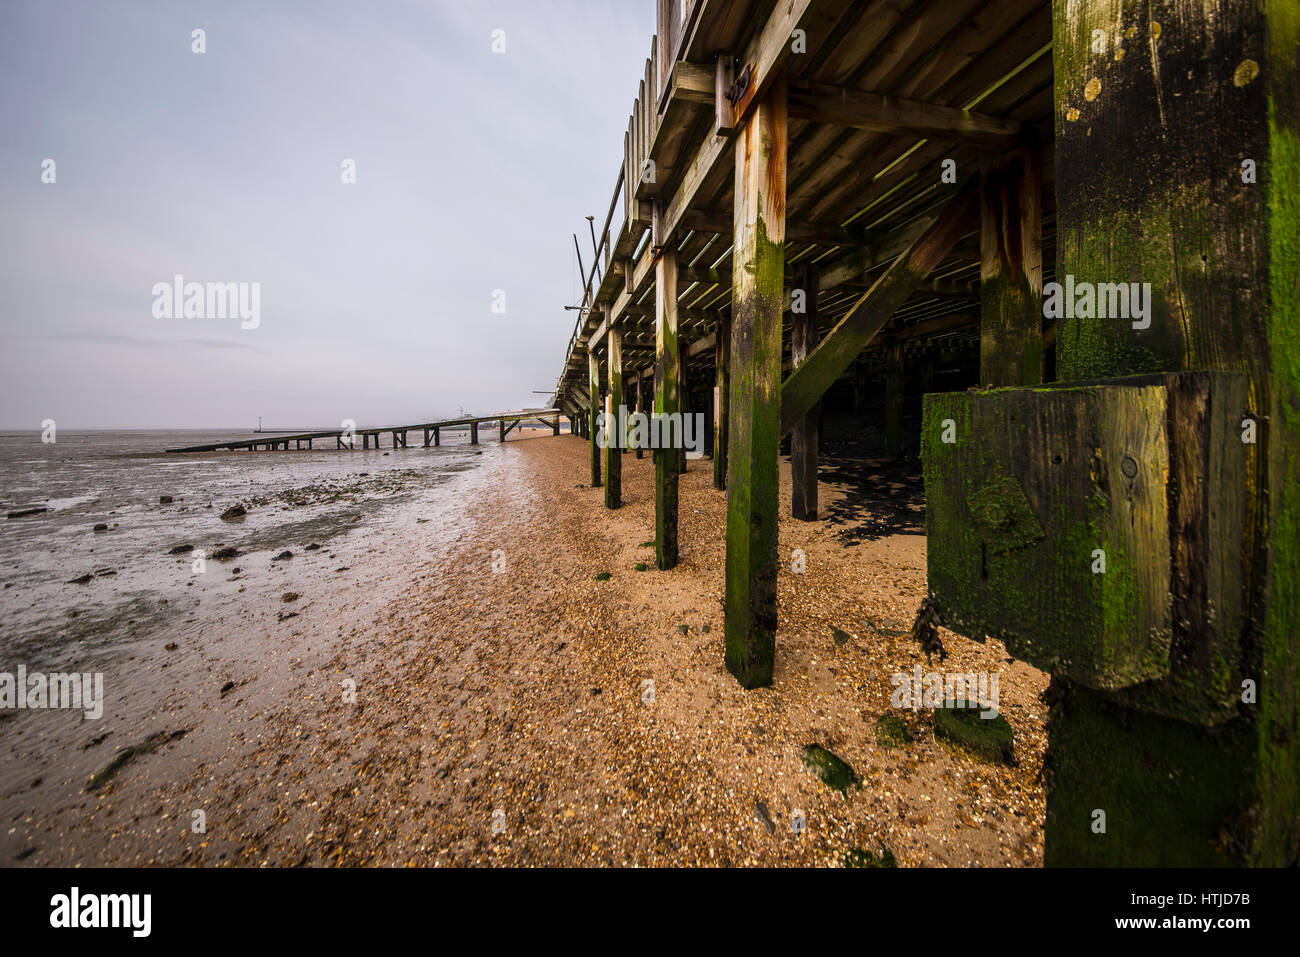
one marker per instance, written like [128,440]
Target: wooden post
[894,382]
[555,426]
[437,439]
[666,403]
[683,398]
[721,398]
[593,382]
[613,421]
[640,406]
[1011,269]
[1208,213]
[426,438]
[803,438]
[473,433]
[757,293]
[859,388]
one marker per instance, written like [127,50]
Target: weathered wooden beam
[692,83]
[758,263]
[614,421]
[721,399]
[823,103]
[804,437]
[667,379]
[835,353]
[822,234]
[593,370]
[1011,269]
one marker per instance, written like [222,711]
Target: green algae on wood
[593,377]
[666,403]
[613,420]
[753,479]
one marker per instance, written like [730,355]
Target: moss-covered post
[894,382]
[614,421]
[757,294]
[803,437]
[721,398]
[593,411]
[1178,165]
[1011,269]
[666,405]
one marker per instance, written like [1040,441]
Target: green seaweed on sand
[834,771]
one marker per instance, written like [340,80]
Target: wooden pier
[831,197]
[431,433]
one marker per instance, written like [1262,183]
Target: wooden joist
[824,103]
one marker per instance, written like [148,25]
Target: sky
[375,298]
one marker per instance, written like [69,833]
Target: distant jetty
[346,438]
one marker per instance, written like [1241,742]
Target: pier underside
[836,207]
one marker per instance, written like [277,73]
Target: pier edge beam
[1011,268]
[593,411]
[667,380]
[804,436]
[721,398]
[613,420]
[753,473]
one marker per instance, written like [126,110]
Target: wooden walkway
[505,421]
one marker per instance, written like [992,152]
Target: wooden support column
[721,399]
[1208,213]
[436,437]
[683,398]
[859,389]
[666,408]
[753,474]
[555,426]
[614,420]
[1011,269]
[594,410]
[803,437]
[501,425]
[640,406]
[473,433]
[894,384]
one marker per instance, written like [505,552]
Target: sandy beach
[511,708]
